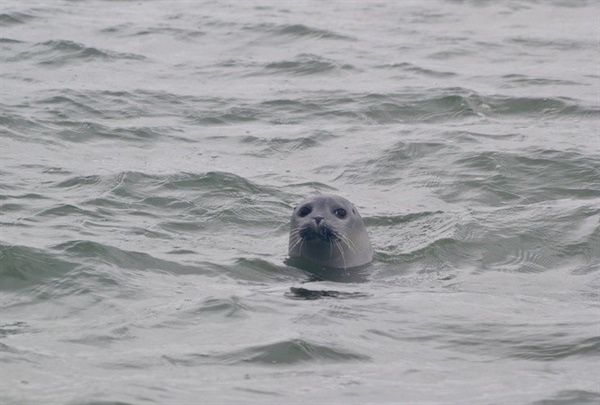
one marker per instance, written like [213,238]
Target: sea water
[152,152]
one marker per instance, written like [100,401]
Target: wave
[23,266]
[297,31]
[15,18]
[292,351]
[59,53]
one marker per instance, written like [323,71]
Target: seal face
[328,230]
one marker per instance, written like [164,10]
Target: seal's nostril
[318,220]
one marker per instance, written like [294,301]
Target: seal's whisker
[301,245]
[294,241]
[338,243]
[333,243]
[348,243]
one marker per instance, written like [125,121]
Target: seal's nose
[318,219]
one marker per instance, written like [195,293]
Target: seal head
[329,231]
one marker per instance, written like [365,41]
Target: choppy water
[151,153]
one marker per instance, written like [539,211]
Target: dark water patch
[307,64]
[279,145]
[372,109]
[305,188]
[533,239]
[139,134]
[9,40]
[546,351]
[178,251]
[436,256]
[23,266]
[154,234]
[509,255]
[103,340]
[167,202]
[108,203]
[524,80]
[23,203]
[395,220]
[20,127]
[220,308]
[216,181]
[123,28]
[425,243]
[221,184]
[6,208]
[536,347]
[6,186]
[285,352]
[293,352]
[401,334]
[14,328]
[303,31]
[413,68]
[570,397]
[26,196]
[132,185]
[413,150]
[306,294]
[493,178]
[68,210]
[194,226]
[69,106]
[62,127]
[79,181]
[262,393]
[383,109]
[232,115]
[10,354]
[478,137]
[296,30]
[457,104]
[122,259]
[97,341]
[451,53]
[561,45]
[90,131]
[190,360]
[57,171]
[318,272]
[72,105]
[172,32]
[261,271]
[15,18]
[557,107]
[58,53]
[287,112]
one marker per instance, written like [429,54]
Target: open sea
[152,152]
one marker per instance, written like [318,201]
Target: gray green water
[152,151]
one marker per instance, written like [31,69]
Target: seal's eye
[340,213]
[304,211]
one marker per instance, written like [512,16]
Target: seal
[329,231]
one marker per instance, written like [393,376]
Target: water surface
[151,154]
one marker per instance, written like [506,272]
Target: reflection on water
[318,272]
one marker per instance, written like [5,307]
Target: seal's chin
[320,232]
